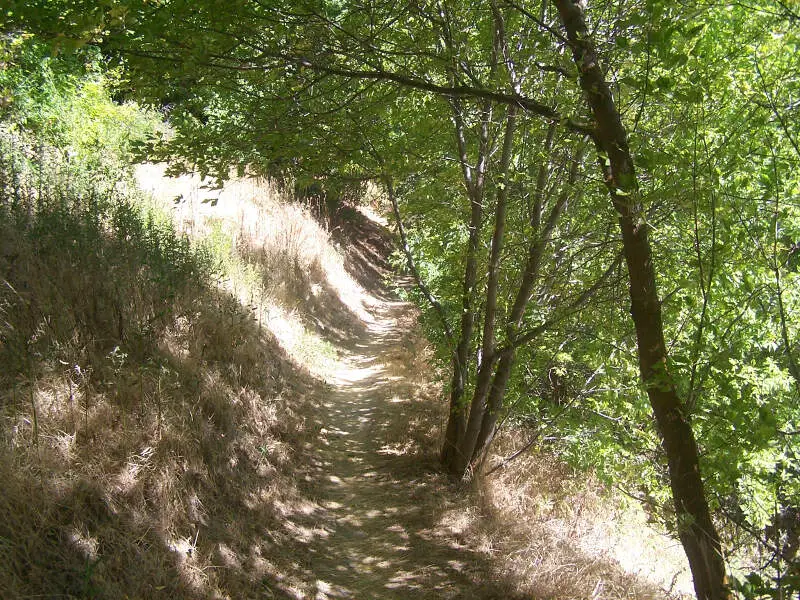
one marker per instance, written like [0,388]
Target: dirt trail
[372,532]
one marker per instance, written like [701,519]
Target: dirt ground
[372,533]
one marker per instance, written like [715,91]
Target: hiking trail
[370,533]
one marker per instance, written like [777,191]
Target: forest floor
[373,533]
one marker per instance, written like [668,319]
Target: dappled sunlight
[368,535]
[263,221]
[277,438]
[359,378]
[582,531]
[628,538]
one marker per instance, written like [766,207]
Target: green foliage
[85,269]
[65,102]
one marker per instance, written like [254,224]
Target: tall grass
[85,269]
[140,403]
[278,261]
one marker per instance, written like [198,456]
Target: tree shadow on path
[372,530]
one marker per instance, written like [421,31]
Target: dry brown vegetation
[548,531]
[150,428]
[270,433]
[569,536]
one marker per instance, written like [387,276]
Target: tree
[696,529]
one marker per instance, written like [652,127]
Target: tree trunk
[695,527]
[477,411]
[494,403]
[411,263]
[474,181]
[457,421]
[539,240]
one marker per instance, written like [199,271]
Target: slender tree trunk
[794,371]
[457,422]
[494,403]
[466,445]
[695,527]
[539,240]
[474,180]
[412,264]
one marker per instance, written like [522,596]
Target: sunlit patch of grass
[276,260]
[571,534]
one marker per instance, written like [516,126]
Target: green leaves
[693,32]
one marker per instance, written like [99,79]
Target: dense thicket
[599,205]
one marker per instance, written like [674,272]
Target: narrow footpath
[373,532]
[379,527]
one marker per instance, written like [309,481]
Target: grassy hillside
[180,365]
[141,399]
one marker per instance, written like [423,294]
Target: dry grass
[279,262]
[551,533]
[181,454]
[160,465]
[547,531]
[574,538]
[107,488]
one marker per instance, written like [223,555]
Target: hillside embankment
[260,423]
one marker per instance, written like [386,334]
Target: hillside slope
[262,424]
[364,519]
